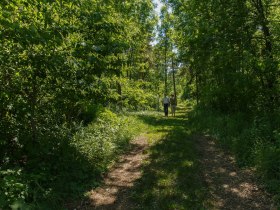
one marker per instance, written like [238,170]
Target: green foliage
[13,187]
[57,58]
[61,63]
[269,167]
[138,95]
[89,112]
[67,168]
[107,136]
[229,53]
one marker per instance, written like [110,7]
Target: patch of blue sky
[157,10]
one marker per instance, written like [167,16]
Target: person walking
[166,103]
[173,104]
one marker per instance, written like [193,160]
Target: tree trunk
[174,83]
[165,72]
[270,73]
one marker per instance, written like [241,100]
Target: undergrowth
[53,176]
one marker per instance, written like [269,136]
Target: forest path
[169,167]
[114,193]
[229,186]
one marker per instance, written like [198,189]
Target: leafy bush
[268,164]
[13,186]
[107,136]
[138,95]
[89,111]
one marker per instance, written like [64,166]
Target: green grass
[171,177]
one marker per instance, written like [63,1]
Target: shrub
[66,166]
[12,185]
[102,140]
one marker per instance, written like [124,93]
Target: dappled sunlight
[170,179]
[177,170]
[187,163]
[230,187]
[167,181]
[113,194]
[233,174]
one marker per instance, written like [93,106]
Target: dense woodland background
[74,73]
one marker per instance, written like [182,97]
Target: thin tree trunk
[174,83]
[33,101]
[196,86]
[165,72]
[270,73]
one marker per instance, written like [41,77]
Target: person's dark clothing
[166,109]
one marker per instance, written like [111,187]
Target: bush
[102,140]
[13,187]
[89,112]
[268,164]
[67,166]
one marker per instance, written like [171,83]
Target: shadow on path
[230,187]
[180,171]
[171,178]
[168,179]
[114,194]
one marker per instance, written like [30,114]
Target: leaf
[19,205]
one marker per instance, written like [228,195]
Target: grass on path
[171,177]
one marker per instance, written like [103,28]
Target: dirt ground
[229,186]
[115,192]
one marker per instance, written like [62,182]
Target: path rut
[230,187]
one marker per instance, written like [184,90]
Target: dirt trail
[115,192]
[230,187]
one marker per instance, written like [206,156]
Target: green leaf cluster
[229,51]
[61,63]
